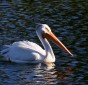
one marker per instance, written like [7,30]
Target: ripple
[68,21]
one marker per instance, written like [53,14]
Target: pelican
[30,52]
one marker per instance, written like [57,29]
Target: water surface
[68,21]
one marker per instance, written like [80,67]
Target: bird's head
[45,32]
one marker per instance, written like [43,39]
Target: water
[68,21]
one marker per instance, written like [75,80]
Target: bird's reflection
[40,73]
[50,74]
[48,66]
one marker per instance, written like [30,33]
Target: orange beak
[51,36]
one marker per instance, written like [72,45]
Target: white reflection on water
[40,74]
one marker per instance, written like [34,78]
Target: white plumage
[23,52]
[29,52]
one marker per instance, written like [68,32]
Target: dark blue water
[68,21]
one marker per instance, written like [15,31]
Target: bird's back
[23,51]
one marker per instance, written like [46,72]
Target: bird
[30,52]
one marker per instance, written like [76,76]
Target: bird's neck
[49,56]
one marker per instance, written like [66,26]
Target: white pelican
[29,52]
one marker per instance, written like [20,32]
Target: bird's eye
[47,29]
